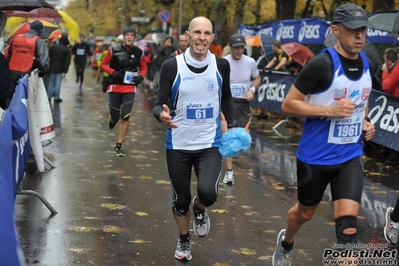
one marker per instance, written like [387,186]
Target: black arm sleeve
[316,75]
[227,105]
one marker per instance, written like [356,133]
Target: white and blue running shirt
[330,141]
[195,108]
[241,72]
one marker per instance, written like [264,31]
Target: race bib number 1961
[345,130]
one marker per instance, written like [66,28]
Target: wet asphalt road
[116,211]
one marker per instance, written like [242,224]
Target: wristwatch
[367,118]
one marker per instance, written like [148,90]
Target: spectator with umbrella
[280,59]
[28,52]
[299,54]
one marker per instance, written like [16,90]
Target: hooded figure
[8,80]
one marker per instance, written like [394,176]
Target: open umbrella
[298,52]
[54,35]
[38,13]
[155,37]
[267,41]
[48,28]
[23,5]
[253,41]
[387,21]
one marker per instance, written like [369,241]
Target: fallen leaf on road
[140,241]
[141,213]
[112,229]
[219,211]
[82,229]
[245,251]
[112,206]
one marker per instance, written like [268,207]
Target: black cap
[129,30]
[351,16]
[237,40]
[37,25]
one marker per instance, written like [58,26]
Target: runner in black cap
[332,92]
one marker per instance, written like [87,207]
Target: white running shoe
[229,177]
[183,250]
[281,257]
[201,223]
[391,228]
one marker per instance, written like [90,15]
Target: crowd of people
[202,94]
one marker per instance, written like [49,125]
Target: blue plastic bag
[234,141]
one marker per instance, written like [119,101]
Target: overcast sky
[64,2]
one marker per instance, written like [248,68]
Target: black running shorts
[346,181]
[243,112]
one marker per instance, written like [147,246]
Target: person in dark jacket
[28,52]
[80,51]
[60,57]
[7,81]
[162,55]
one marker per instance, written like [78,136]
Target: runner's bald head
[199,20]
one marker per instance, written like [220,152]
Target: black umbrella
[387,21]
[23,5]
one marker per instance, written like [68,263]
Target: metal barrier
[41,128]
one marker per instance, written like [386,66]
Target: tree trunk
[220,21]
[285,9]
[257,12]
[239,14]
[306,12]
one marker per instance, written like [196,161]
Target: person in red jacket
[28,52]
[390,72]
[126,65]
[94,65]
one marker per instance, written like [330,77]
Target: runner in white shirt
[195,88]
[243,73]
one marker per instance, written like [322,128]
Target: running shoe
[183,250]
[281,257]
[201,223]
[229,177]
[120,152]
[391,228]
